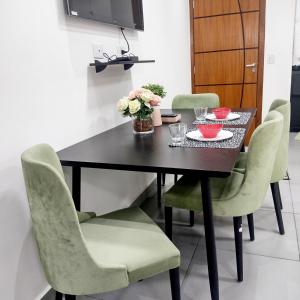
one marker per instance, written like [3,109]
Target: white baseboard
[43,293]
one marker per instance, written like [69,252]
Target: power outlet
[271,59]
[98,51]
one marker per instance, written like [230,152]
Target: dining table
[120,149]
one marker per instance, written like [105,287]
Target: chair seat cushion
[187,194]
[129,237]
[85,216]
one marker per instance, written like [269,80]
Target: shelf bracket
[127,67]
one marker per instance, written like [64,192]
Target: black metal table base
[76,186]
[210,239]
[158,182]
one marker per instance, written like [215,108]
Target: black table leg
[175,178]
[158,183]
[238,236]
[210,239]
[76,186]
[163,183]
[58,296]
[168,222]
[243,149]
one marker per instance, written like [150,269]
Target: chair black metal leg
[276,199]
[211,251]
[158,183]
[175,283]
[70,297]
[76,186]
[251,226]
[168,221]
[192,218]
[175,178]
[277,192]
[280,201]
[163,181]
[238,236]
[58,296]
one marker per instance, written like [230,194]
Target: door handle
[253,66]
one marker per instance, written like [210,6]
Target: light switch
[271,59]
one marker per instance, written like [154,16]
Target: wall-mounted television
[122,13]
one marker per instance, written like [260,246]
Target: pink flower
[155,101]
[136,93]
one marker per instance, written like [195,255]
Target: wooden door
[227,50]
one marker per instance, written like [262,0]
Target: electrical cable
[128,47]
[109,58]
[125,53]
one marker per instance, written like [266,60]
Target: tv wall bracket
[101,66]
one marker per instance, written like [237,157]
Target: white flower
[147,96]
[134,106]
[123,104]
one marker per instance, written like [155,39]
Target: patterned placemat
[243,120]
[232,143]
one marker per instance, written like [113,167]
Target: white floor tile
[295,190]
[297,219]
[285,197]
[268,241]
[264,278]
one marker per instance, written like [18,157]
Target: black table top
[120,149]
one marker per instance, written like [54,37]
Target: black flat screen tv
[122,13]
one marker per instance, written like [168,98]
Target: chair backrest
[209,100]
[67,264]
[281,161]
[262,151]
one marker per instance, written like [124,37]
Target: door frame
[261,52]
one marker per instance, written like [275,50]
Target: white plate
[197,136]
[230,117]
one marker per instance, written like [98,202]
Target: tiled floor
[271,263]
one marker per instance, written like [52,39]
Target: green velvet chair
[191,101]
[281,161]
[209,100]
[240,194]
[82,254]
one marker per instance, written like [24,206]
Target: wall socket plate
[98,51]
[271,59]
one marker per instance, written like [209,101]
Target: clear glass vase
[142,126]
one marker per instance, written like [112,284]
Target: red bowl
[222,112]
[210,131]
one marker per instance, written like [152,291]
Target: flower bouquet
[138,106]
[159,91]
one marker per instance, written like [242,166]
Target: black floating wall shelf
[100,66]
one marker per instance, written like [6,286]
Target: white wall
[280,16]
[49,94]
[296,58]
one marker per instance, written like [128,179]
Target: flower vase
[142,125]
[156,116]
